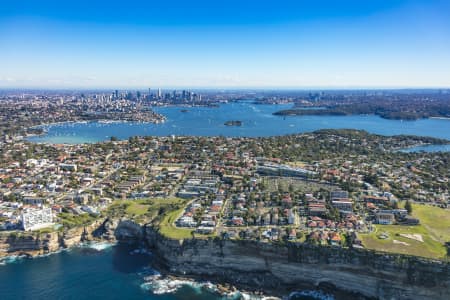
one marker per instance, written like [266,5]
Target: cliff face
[128,232]
[28,244]
[290,267]
[284,267]
[32,244]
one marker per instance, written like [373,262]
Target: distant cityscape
[212,150]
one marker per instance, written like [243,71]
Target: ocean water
[94,272]
[102,271]
[428,148]
[257,120]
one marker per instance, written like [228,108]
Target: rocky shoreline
[172,282]
[280,268]
[257,267]
[35,244]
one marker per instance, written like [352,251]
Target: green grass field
[434,229]
[436,220]
[143,208]
[137,209]
[46,230]
[146,210]
[69,220]
[168,229]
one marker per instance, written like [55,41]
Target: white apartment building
[33,218]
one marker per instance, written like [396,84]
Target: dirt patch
[401,243]
[413,236]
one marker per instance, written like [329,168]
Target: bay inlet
[257,121]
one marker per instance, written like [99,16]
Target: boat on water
[233,123]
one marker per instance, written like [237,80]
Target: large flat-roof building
[344,206]
[270,169]
[33,219]
[385,217]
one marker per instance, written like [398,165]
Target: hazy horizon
[223,89]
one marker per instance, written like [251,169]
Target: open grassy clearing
[137,209]
[436,220]
[434,230]
[69,220]
[143,210]
[161,211]
[168,229]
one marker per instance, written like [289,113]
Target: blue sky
[225,43]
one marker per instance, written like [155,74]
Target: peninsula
[271,150]
[317,209]
[400,105]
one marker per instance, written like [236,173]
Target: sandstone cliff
[34,243]
[282,267]
[293,266]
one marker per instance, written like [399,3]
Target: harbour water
[257,120]
[428,148]
[101,271]
[111,272]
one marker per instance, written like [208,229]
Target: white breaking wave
[99,246]
[19,258]
[160,285]
[11,259]
[51,253]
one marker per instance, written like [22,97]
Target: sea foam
[11,259]
[99,246]
[159,285]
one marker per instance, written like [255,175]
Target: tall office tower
[116,94]
[159,94]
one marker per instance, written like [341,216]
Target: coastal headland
[284,267]
[262,266]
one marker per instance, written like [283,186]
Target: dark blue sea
[98,271]
[257,120]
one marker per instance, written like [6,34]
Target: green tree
[291,188]
[408,207]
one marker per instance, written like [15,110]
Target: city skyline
[294,44]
